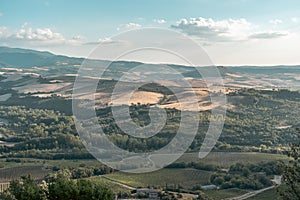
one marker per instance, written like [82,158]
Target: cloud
[103,41]
[128,26]
[78,37]
[3,31]
[222,30]
[29,34]
[39,34]
[24,25]
[75,40]
[229,30]
[295,19]
[36,36]
[276,21]
[159,21]
[269,34]
[1,14]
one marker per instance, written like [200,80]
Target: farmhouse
[148,193]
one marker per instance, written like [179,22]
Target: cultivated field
[187,178]
[222,194]
[113,186]
[226,159]
[8,174]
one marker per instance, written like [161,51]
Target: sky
[232,32]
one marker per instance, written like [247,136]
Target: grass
[222,194]
[226,159]
[186,178]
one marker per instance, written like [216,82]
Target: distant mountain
[266,70]
[25,58]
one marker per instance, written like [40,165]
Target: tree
[95,190]
[290,188]
[66,189]
[58,187]
[24,189]
[219,181]
[246,172]
[63,189]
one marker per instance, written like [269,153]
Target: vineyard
[186,178]
[8,174]
[226,159]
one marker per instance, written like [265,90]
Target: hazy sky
[233,32]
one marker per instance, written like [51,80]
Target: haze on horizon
[232,32]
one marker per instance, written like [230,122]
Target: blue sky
[250,31]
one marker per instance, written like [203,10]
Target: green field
[50,163]
[73,163]
[113,186]
[223,159]
[222,194]
[226,159]
[187,178]
[36,171]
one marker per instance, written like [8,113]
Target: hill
[26,58]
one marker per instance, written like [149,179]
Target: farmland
[222,194]
[12,173]
[185,178]
[38,135]
[115,187]
[226,159]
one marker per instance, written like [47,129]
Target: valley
[38,134]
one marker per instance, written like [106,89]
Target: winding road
[250,194]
